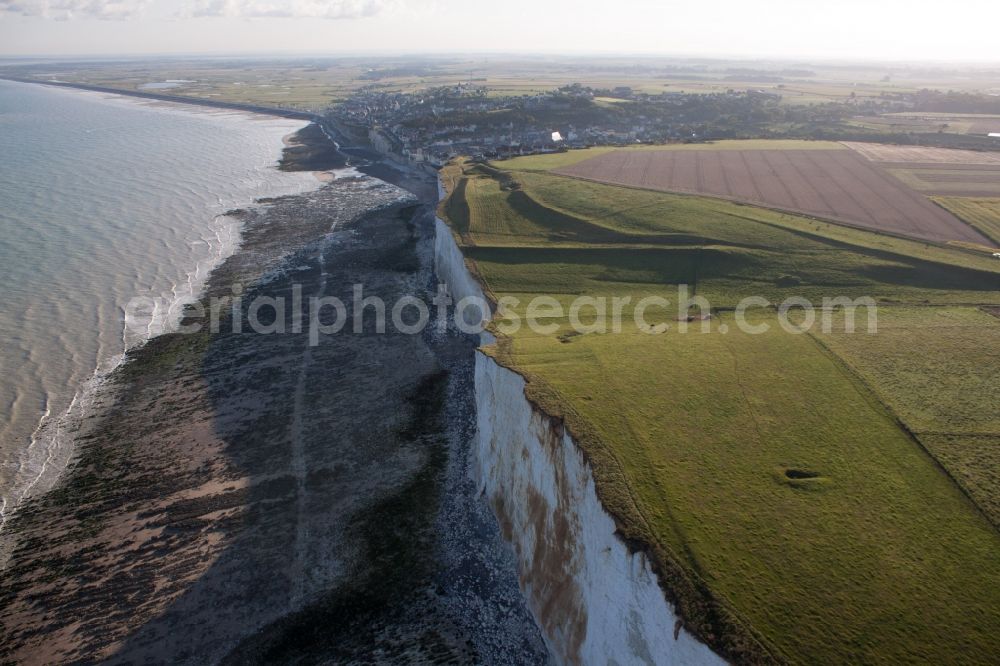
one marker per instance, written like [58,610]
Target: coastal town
[469,119]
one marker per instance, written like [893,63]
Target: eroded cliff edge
[596,599]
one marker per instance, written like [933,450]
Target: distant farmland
[980,182]
[838,185]
[938,171]
[879,152]
[931,122]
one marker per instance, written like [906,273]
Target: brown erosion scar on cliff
[550,581]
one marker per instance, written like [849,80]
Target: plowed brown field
[839,185]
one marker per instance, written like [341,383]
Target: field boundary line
[872,396]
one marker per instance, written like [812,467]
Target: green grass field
[768,474]
[983,214]
[896,124]
[936,369]
[951,123]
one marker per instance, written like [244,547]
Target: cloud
[329,9]
[62,10]
[124,9]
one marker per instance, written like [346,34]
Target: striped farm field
[838,185]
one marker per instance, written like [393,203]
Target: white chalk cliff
[595,602]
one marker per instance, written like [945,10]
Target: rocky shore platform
[245,497]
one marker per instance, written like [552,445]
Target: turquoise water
[104,199]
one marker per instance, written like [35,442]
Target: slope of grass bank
[602,238]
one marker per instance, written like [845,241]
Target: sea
[106,199]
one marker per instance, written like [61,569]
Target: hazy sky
[884,29]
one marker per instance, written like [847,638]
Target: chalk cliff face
[449,264]
[594,600]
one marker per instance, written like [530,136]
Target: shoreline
[328,126]
[51,428]
[333,132]
[209,498]
[180,99]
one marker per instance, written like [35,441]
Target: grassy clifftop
[807,497]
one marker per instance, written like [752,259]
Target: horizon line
[567,54]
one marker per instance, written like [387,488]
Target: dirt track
[838,185]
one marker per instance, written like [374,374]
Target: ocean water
[104,199]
